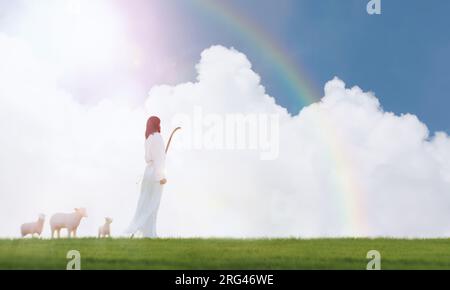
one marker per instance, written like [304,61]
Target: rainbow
[348,191]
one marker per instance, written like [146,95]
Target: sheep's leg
[75,233]
[58,233]
[69,233]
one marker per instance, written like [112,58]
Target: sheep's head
[108,220]
[81,211]
[42,216]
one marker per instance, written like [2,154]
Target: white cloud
[345,167]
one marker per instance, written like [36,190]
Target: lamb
[33,228]
[70,221]
[104,230]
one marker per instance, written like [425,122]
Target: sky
[400,54]
[364,152]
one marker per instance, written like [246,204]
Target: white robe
[144,220]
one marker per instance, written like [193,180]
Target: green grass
[225,253]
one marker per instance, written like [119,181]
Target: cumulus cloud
[345,167]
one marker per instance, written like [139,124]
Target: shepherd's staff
[170,138]
[167,148]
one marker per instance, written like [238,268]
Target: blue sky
[401,55]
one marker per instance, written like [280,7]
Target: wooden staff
[170,138]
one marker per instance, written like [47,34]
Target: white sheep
[33,228]
[70,221]
[105,230]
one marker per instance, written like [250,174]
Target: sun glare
[77,34]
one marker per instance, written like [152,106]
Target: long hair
[153,125]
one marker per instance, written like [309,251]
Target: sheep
[33,228]
[70,221]
[105,229]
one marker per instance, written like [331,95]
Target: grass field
[224,253]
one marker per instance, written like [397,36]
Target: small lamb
[33,228]
[70,221]
[105,230]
